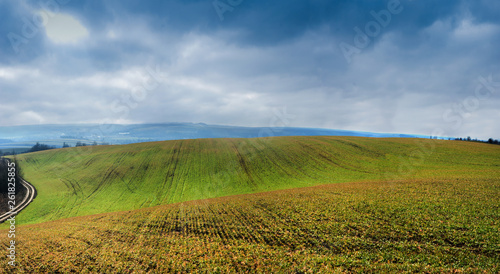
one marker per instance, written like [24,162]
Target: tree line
[469,139]
[40,147]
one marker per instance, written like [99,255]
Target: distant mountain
[56,135]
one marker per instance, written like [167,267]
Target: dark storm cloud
[239,65]
[14,17]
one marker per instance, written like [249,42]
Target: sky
[416,67]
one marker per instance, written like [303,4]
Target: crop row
[410,225]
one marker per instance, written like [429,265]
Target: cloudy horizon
[410,67]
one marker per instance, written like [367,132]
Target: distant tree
[468,138]
[490,141]
[80,144]
[65,145]
[40,147]
[94,143]
[495,142]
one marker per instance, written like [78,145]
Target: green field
[284,204]
[90,180]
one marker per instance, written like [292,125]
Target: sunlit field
[90,180]
[411,225]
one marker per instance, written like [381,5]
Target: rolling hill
[282,204]
[90,180]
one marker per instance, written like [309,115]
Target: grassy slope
[90,180]
[424,225]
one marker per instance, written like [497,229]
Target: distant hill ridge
[57,135]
